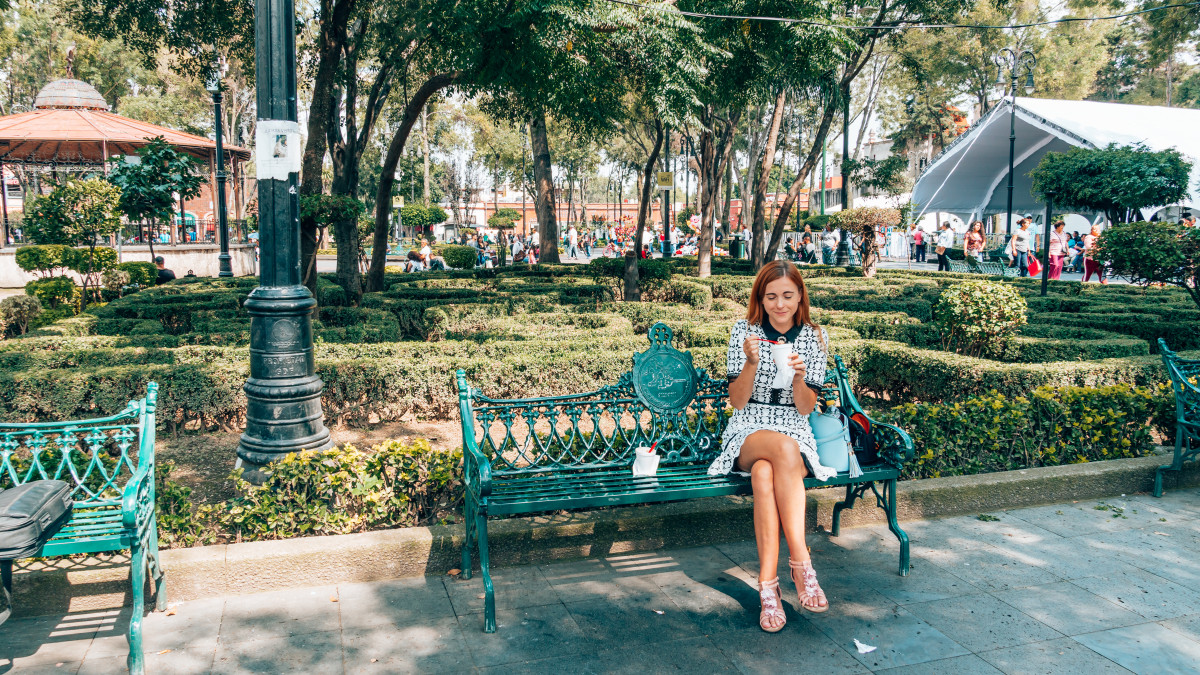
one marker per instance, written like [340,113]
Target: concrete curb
[101,582]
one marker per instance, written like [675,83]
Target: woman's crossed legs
[777,472]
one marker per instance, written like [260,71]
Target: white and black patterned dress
[769,410]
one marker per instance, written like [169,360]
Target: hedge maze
[543,330]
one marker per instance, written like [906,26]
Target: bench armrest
[477,471]
[137,499]
[895,445]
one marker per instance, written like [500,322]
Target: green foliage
[502,218]
[345,490]
[153,181]
[437,215]
[652,273]
[141,273]
[1149,253]
[16,312]
[328,210]
[114,280]
[44,260]
[417,217]
[1050,427]
[54,292]
[978,316]
[74,213]
[1117,180]
[460,257]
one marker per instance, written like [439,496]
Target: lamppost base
[225,265]
[842,254]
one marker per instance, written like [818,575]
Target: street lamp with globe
[1014,63]
[225,268]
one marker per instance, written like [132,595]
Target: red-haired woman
[768,435]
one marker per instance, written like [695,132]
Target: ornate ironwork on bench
[1185,383]
[576,451]
[110,461]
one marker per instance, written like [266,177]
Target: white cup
[783,372]
[645,462]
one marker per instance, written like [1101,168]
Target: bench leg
[489,602]
[852,494]
[469,516]
[894,525]
[136,660]
[157,573]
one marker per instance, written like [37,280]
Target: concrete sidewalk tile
[632,621]
[990,568]
[924,583]
[1147,594]
[526,634]
[799,648]
[1158,551]
[694,656]
[1063,656]
[46,640]
[307,653]
[1091,516]
[430,646]
[515,587]
[399,601]
[597,579]
[981,622]
[957,665]
[1148,649]
[1068,609]
[1183,503]
[1187,626]
[296,611]
[185,625]
[901,637]
[1066,558]
[173,662]
[716,605]
[53,668]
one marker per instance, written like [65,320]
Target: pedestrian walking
[1090,264]
[572,243]
[945,242]
[1018,246]
[829,242]
[919,243]
[975,241]
[1059,247]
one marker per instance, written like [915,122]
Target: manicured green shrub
[17,312]
[44,260]
[55,293]
[141,273]
[979,316]
[610,272]
[460,257]
[1049,427]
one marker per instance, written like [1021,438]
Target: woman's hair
[979,223]
[778,269]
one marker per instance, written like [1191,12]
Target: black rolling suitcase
[29,515]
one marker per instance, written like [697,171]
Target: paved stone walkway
[1089,587]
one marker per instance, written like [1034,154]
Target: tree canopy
[1115,180]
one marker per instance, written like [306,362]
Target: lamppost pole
[214,86]
[842,254]
[1046,238]
[283,393]
[1013,62]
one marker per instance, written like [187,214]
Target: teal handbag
[831,429]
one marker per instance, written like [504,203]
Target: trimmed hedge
[1050,427]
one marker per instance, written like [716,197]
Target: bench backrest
[664,399]
[1185,383]
[98,456]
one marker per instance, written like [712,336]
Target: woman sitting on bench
[769,435]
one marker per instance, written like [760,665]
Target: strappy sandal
[811,596]
[772,605]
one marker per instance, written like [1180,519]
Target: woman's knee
[762,477]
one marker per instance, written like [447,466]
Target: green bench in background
[110,461]
[995,268]
[1185,383]
[535,455]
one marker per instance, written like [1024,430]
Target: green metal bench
[1185,383]
[990,267]
[960,266]
[111,462]
[534,455]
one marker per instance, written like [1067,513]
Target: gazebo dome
[69,94]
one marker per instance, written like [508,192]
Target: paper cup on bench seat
[645,462]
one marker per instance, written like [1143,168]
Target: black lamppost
[1013,62]
[842,255]
[214,87]
[1046,237]
[283,394]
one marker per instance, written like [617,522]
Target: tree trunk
[632,294]
[870,255]
[334,15]
[814,156]
[544,201]
[425,154]
[387,178]
[715,155]
[758,246]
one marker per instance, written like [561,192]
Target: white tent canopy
[970,177]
